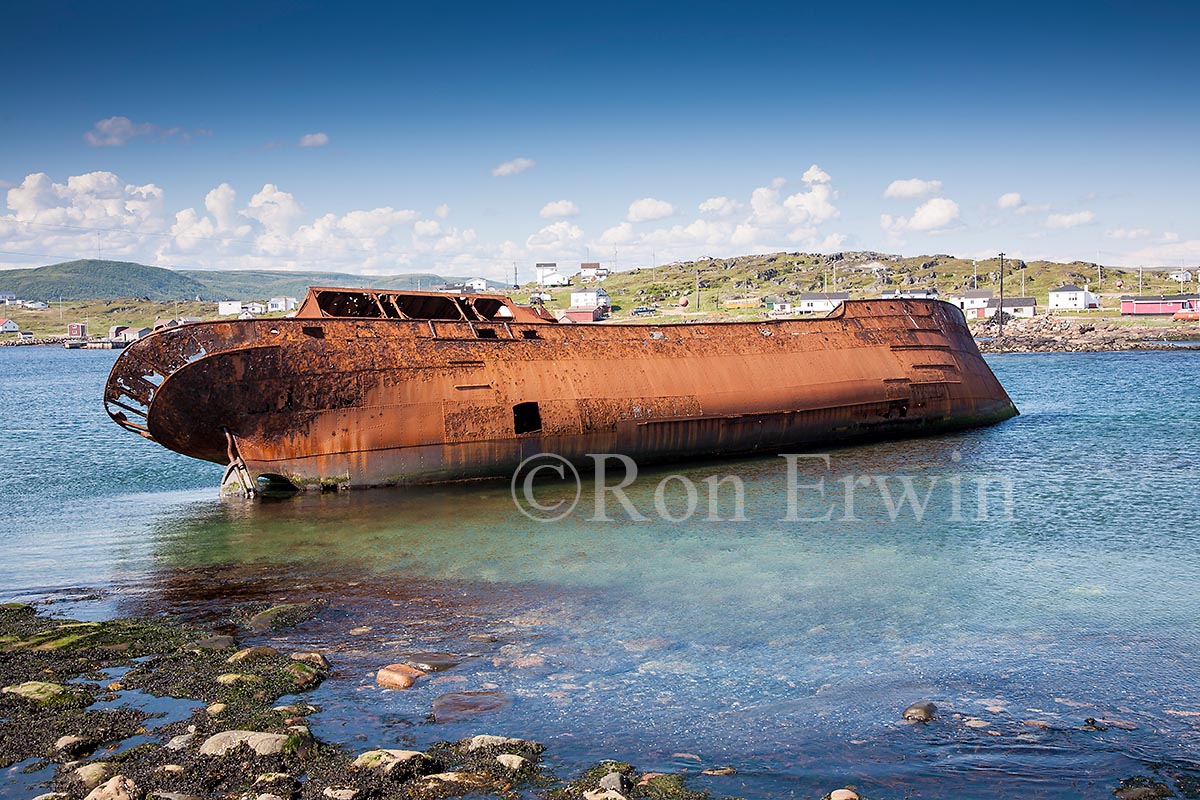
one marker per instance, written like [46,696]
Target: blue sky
[174,136]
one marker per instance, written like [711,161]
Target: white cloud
[718,206]
[935,214]
[442,211]
[517,165]
[559,208]
[277,211]
[912,188]
[314,140]
[1170,236]
[555,236]
[1064,221]
[1010,200]
[119,131]
[1127,233]
[813,174]
[618,234]
[649,209]
[814,206]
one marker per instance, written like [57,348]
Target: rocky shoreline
[1050,334]
[70,715]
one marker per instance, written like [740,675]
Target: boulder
[616,782]
[843,794]
[386,761]
[212,643]
[264,744]
[234,678]
[181,741]
[923,711]
[485,740]
[513,762]
[74,746]
[398,676]
[318,660]
[252,654]
[116,788]
[93,774]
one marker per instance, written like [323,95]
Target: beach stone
[252,654]
[398,676]
[318,660]
[976,723]
[360,630]
[457,706]
[303,674]
[212,643]
[434,662]
[174,796]
[215,709]
[513,762]
[483,637]
[530,660]
[923,711]
[466,778]
[233,678]
[263,621]
[93,774]
[170,769]
[607,794]
[74,745]
[268,796]
[340,793]
[649,776]
[616,782]
[181,741]
[53,796]
[1151,792]
[484,740]
[43,693]
[272,778]
[386,761]
[116,788]
[843,794]
[265,744]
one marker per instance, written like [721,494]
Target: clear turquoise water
[785,648]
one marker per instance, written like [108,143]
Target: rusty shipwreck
[371,388]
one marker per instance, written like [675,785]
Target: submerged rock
[484,740]
[843,794]
[434,662]
[457,706]
[398,676]
[923,711]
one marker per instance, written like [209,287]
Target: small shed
[584,313]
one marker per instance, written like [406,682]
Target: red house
[1162,304]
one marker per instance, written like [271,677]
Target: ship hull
[370,402]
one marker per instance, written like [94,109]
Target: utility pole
[1000,310]
[975,280]
[1139,278]
[697,288]
[1022,281]
[516,283]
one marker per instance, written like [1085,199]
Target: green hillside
[262,284]
[91,279]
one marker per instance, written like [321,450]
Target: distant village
[590,302]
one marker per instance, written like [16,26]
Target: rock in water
[434,662]
[920,712]
[843,794]
[457,706]
[615,781]
[398,676]
[511,761]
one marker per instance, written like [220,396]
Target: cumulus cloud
[1010,200]
[912,188]
[719,206]
[813,174]
[649,209]
[442,211]
[1064,221]
[555,236]
[559,208]
[314,140]
[514,167]
[1127,233]
[119,131]
[935,214]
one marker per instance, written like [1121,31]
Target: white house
[973,302]
[254,308]
[592,271]
[1071,296]
[281,304]
[1013,307]
[36,305]
[477,285]
[229,308]
[821,302]
[8,326]
[5,297]
[1181,275]
[588,298]
[547,274]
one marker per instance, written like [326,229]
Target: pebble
[398,676]
[171,769]
[252,654]
[457,706]
[53,796]
[273,777]
[181,741]
[215,709]
[264,744]
[344,793]
[483,637]
[360,630]
[923,711]
[843,794]
[607,794]
[649,776]
[116,788]
[174,796]
[531,660]
[976,723]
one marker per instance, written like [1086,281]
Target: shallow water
[786,648]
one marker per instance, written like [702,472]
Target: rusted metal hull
[370,402]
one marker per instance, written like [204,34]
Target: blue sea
[1025,578]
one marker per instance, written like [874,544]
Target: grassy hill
[92,279]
